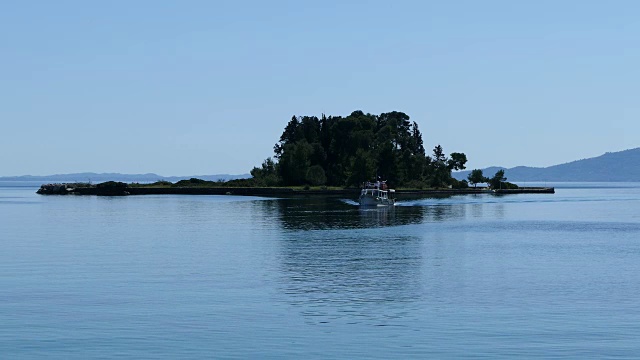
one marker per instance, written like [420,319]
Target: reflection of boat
[373,216]
[376,194]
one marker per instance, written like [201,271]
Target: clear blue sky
[205,87]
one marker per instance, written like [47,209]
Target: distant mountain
[97,178]
[612,166]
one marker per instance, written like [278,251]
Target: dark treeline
[346,151]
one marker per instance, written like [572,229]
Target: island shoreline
[70,189]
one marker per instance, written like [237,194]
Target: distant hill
[613,166]
[97,178]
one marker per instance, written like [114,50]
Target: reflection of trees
[314,213]
[317,213]
[340,261]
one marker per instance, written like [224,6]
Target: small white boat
[376,194]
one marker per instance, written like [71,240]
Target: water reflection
[445,212]
[340,261]
[332,275]
[476,210]
[319,213]
[380,216]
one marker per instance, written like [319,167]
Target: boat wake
[350,202]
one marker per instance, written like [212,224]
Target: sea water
[478,276]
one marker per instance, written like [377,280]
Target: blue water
[484,276]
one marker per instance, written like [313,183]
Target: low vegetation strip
[112,188]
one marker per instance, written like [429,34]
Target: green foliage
[440,172]
[508,185]
[346,151]
[459,184]
[112,188]
[252,182]
[499,181]
[112,185]
[476,176]
[295,162]
[387,163]
[267,174]
[416,184]
[161,183]
[315,175]
[362,168]
[457,161]
[193,182]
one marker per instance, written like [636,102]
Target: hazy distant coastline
[621,166]
[101,177]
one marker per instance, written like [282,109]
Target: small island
[333,155]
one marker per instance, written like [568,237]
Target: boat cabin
[375,193]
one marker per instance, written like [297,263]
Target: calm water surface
[546,276]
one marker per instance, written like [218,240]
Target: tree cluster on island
[498,181]
[347,151]
[338,151]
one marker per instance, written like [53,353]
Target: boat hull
[374,201]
